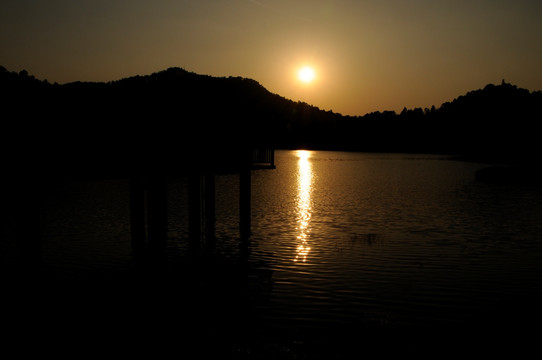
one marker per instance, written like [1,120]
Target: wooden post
[27,225]
[210,208]
[194,209]
[245,203]
[157,213]
[148,213]
[138,226]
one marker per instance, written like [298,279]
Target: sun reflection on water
[303,205]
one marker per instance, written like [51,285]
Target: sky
[367,55]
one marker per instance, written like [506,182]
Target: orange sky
[368,55]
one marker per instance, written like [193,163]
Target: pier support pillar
[194,209]
[148,213]
[138,226]
[245,203]
[157,213]
[201,209]
[27,225]
[210,208]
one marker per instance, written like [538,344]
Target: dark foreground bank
[186,309]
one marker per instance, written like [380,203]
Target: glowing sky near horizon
[369,55]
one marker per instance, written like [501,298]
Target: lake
[340,240]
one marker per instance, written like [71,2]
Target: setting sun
[306,74]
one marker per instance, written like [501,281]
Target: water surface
[339,241]
[398,240]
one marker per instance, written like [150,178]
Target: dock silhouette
[148,198]
[143,129]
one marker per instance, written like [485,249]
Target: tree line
[169,114]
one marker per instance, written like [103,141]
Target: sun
[306,74]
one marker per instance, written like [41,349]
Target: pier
[148,197]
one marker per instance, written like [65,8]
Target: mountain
[498,121]
[164,116]
[169,116]
[198,106]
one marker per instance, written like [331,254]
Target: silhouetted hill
[168,116]
[174,115]
[499,121]
[496,123]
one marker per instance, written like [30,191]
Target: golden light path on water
[303,205]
